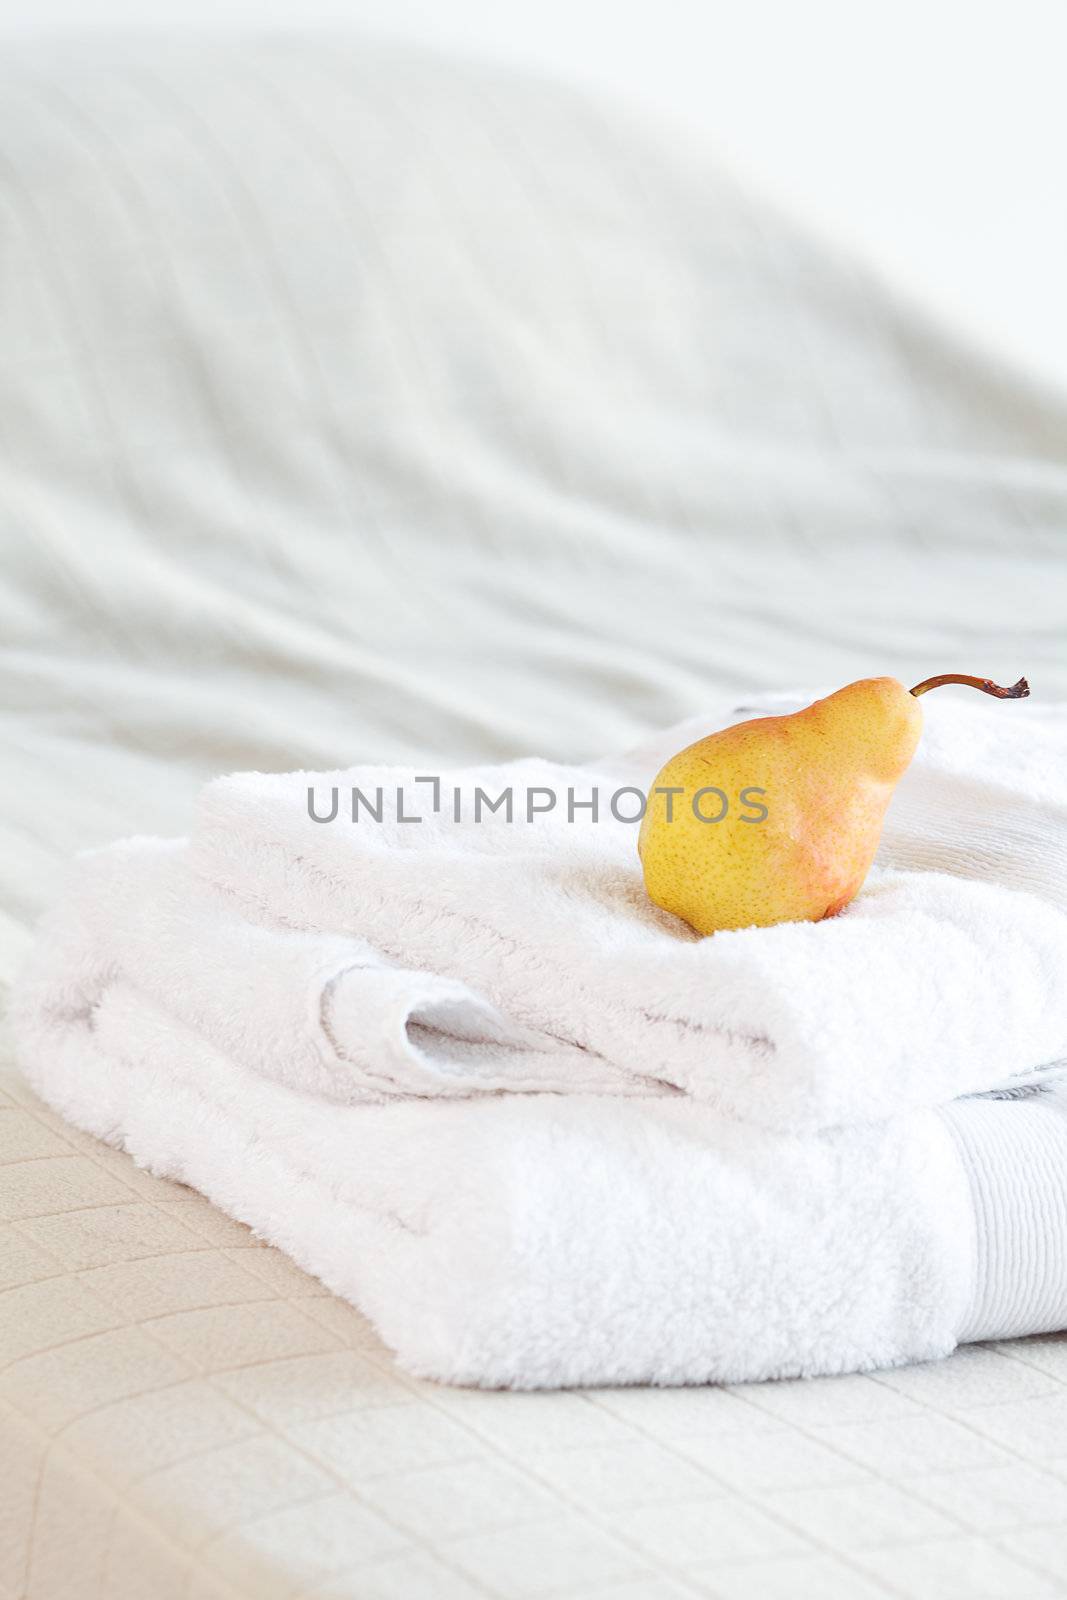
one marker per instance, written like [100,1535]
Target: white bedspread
[354,407]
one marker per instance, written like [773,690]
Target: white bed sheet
[355,405]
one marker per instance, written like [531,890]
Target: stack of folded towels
[543,1134]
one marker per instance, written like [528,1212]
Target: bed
[358,403]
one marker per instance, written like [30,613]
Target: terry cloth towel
[745,1165]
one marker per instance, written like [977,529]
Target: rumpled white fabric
[719,1158]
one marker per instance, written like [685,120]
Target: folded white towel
[933,983]
[225,1008]
[546,1240]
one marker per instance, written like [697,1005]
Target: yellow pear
[778,819]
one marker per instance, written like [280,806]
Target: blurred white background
[929,137]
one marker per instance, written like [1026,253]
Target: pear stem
[1018,691]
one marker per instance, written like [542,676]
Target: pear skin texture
[828,774]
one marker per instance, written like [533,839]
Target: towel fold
[718,1159]
[324,1013]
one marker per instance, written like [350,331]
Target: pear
[778,819]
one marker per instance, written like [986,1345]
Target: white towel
[934,983]
[717,1194]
